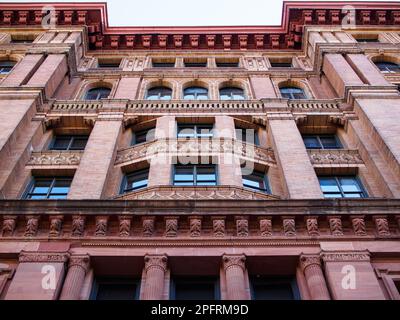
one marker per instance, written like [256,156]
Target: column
[23,70]
[50,74]
[155,267]
[229,170]
[92,174]
[38,276]
[77,269]
[311,267]
[351,276]
[367,71]
[262,87]
[127,88]
[300,179]
[161,165]
[234,267]
[339,73]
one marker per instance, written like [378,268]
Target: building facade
[205,163]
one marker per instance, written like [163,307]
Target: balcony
[195,147]
[337,158]
[55,159]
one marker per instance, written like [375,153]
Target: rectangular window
[197,288]
[115,289]
[227,64]
[109,64]
[66,143]
[135,181]
[266,288]
[143,136]
[256,181]
[342,187]
[281,65]
[195,175]
[48,188]
[196,64]
[247,136]
[322,142]
[163,64]
[195,131]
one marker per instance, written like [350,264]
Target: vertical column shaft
[78,267]
[155,267]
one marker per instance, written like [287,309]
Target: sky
[190,12]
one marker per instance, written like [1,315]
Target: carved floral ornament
[231,261]
[55,158]
[156,261]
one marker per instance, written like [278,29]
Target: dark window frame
[227,64]
[196,127]
[156,64]
[265,179]
[281,64]
[194,173]
[192,64]
[117,280]
[363,193]
[6,66]
[232,93]
[388,67]
[102,93]
[193,280]
[164,93]
[109,65]
[140,132]
[27,195]
[71,142]
[275,280]
[293,95]
[339,144]
[196,94]
[124,185]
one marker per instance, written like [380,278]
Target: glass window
[163,64]
[109,65]
[200,64]
[227,64]
[48,188]
[265,288]
[159,93]
[281,64]
[322,142]
[342,187]
[115,289]
[135,181]
[388,67]
[69,143]
[195,93]
[195,175]
[231,93]
[198,288]
[247,136]
[257,181]
[195,131]
[97,93]
[292,93]
[6,66]
[143,136]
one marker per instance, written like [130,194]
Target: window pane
[186,132]
[184,174]
[329,185]
[61,143]
[116,291]
[333,195]
[37,197]
[311,142]
[231,94]
[350,185]
[79,143]
[137,180]
[329,142]
[61,187]
[353,195]
[162,93]
[163,64]
[41,186]
[196,64]
[58,197]
[195,289]
[97,93]
[227,64]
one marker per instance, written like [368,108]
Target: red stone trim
[230,261]
[355,256]
[159,262]
[51,257]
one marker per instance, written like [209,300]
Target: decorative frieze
[55,158]
[78,226]
[101,226]
[125,226]
[289,226]
[340,256]
[382,226]
[312,226]
[265,226]
[359,227]
[55,225]
[242,226]
[218,226]
[335,224]
[195,224]
[32,226]
[171,227]
[148,226]
[335,157]
[43,257]
[9,224]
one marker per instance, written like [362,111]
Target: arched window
[195,93]
[231,93]
[292,93]
[388,67]
[159,93]
[6,66]
[98,93]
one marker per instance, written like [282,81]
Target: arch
[387,63]
[159,93]
[87,87]
[293,89]
[195,93]
[232,90]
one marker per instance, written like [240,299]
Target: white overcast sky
[190,12]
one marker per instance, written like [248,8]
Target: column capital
[307,260]
[82,261]
[43,257]
[156,261]
[234,260]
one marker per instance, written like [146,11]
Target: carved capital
[38,257]
[159,261]
[82,261]
[234,261]
[307,260]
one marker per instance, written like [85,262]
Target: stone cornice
[343,256]
[43,257]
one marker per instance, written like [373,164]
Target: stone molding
[335,157]
[355,256]
[43,257]
[55,158]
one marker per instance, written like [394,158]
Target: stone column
[300,179]
[155,267]
[234,267]
[311,267]
[90,180]
[77,269]
[23,70]
[367,71]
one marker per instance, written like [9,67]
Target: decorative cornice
[355,256]
[50,257]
